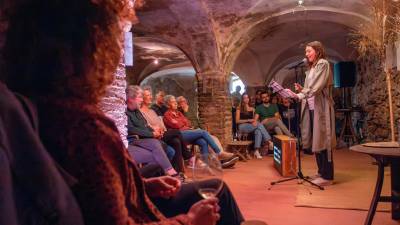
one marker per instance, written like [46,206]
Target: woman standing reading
[317,114]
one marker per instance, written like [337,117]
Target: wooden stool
[347,132]
[240,148]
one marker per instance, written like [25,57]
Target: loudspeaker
[344,74]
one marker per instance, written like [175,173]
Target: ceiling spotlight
[300,2]
[156,61]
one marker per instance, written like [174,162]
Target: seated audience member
[235,97]
[172,137]
[274,99]
[252,101]
[33,189]
[183,107]
[248,124]
[269,116]
[74,72]
[137,126]
[159,106]
[174,119]
[258,100]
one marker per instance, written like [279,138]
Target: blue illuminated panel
[277,154]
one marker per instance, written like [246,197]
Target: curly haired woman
[62,54]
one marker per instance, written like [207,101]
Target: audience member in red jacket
[174,119]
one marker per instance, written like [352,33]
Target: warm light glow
[300,2]
[236,81]
[156,61]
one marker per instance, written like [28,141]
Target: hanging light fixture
[300,6]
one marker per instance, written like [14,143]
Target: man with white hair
[151,149]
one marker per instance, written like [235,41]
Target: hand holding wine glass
[207,174]
[204,212]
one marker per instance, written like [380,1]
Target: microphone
[299,63]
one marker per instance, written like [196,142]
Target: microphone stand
[299,176]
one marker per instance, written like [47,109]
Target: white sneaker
[315,176]
[257,154]
[322,182]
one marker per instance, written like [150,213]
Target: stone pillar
[114,102]
[215,104]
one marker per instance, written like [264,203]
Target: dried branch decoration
[383,29]
[372,38]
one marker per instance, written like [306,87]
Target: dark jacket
[33,190]
[160,110]
[137,125]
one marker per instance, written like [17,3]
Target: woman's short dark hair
[62,48]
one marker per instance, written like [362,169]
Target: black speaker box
[344,74]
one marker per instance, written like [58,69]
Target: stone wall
[114,102]
[176,85]
[371,94]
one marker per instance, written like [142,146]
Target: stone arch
[188,26]
[149,48]
[239,42]
[282,62]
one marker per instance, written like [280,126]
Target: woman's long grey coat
[318,83]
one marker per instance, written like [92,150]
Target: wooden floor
[249,181]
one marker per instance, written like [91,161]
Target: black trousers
[325,168]
[151,170]
[174,139]
[188,195]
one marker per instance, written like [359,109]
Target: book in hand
[290,93]
[284,93]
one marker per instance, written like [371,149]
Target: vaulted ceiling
[257,39]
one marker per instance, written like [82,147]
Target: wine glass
[207,175]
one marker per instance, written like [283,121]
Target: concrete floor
[249,181]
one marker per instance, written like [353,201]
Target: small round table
[384,157]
